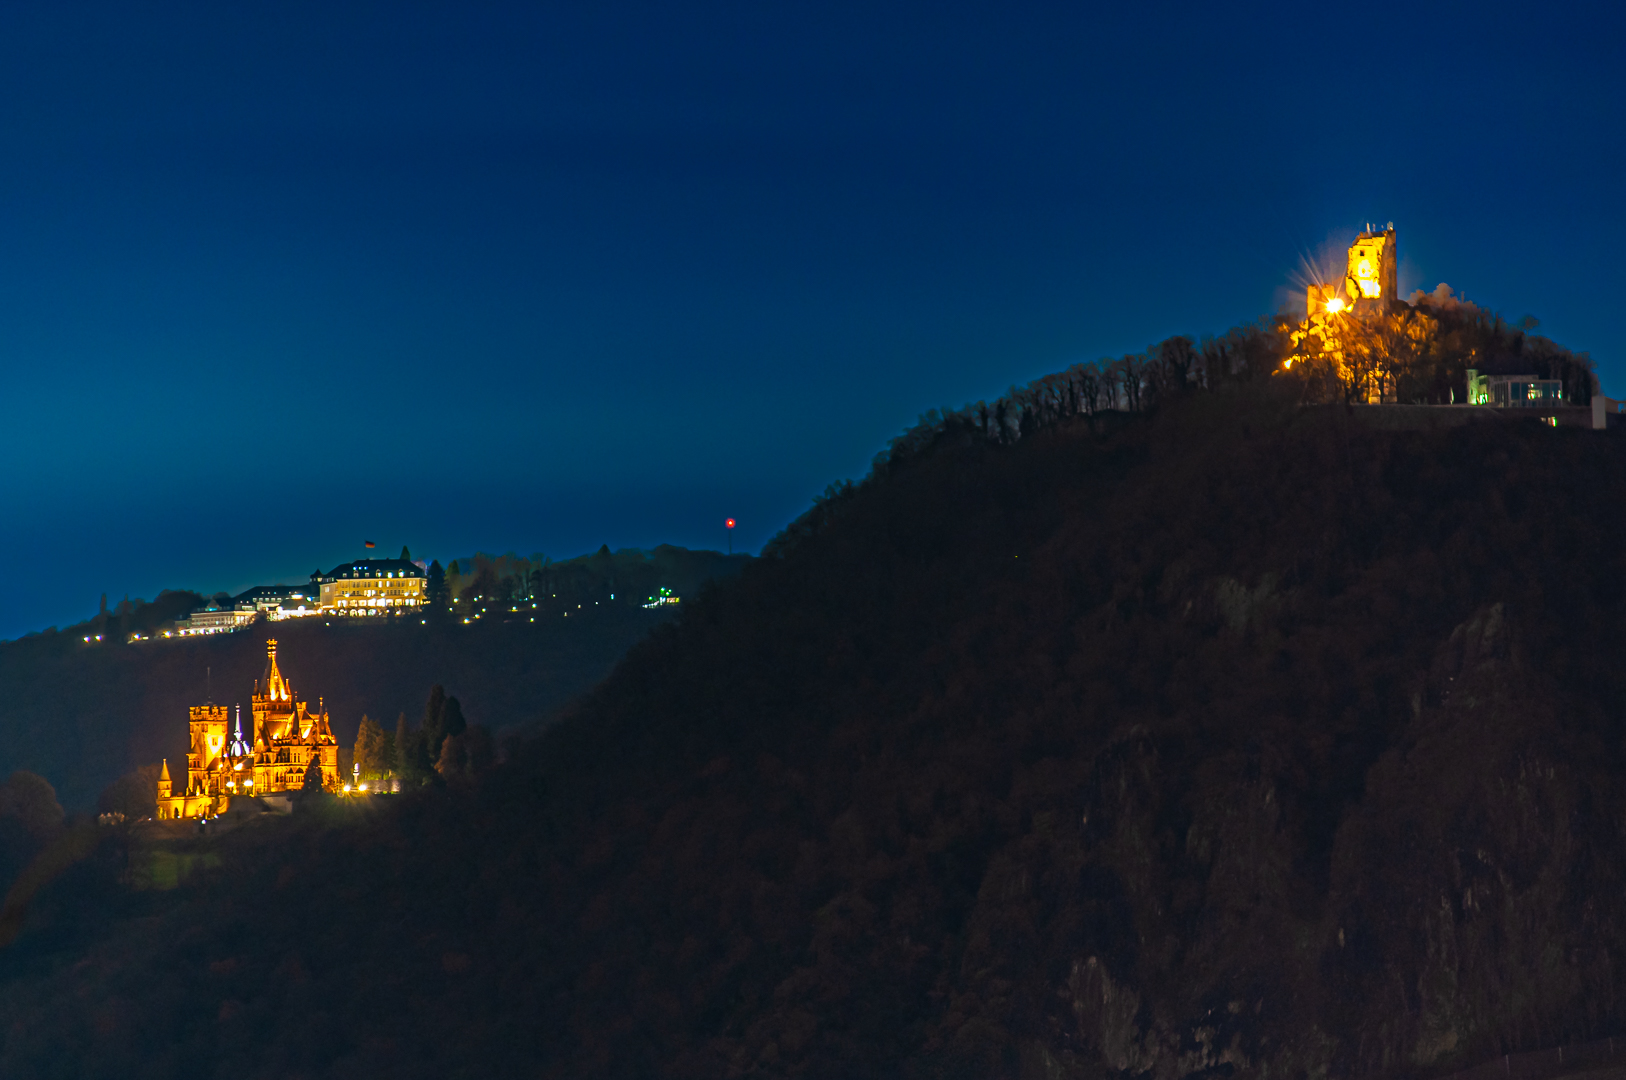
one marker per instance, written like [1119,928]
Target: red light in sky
[729,523]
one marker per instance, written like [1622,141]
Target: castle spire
[276,687]
[238,747]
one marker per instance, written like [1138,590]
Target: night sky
[277,279]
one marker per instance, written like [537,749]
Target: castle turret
[165,785]
[275,709]
[276,687]
[239,748]
[1371,275]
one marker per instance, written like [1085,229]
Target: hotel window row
[373,587]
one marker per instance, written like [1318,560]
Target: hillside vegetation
[1239,738]
[82,714]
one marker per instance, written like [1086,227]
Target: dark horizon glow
[540,278]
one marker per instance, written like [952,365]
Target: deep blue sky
[275,279]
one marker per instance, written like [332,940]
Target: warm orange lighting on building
[374,587]
[1371,268]
[1352,331]
[289,738]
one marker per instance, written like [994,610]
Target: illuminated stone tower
[208,725]
[209,769]
[1371,272]
[288,735]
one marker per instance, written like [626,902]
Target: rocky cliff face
[1242,741]
[1471,903]
[1477,891]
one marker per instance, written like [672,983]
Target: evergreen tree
[434,720]
[454,582]
[464,756]
[403,740]
[452,722]
[450,765]
[406,554]
[313,777]
[411,762]
[436,589]
[386,752]
[370,749]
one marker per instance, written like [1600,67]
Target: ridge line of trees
[1460,335]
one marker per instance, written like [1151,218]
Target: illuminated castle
[289,740]
[1355,331]
[1370,278]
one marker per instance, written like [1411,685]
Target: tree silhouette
[466,755]
[435,591]
[371,752]
[410,760]
[134,794]
[434,719]
[452,722]
[31,800]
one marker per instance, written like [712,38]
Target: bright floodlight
[1335,305]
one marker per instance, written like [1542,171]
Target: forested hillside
[83,713]
[1239,737]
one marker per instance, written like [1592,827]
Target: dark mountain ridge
[1242,738]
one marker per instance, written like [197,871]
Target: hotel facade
[374,587]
